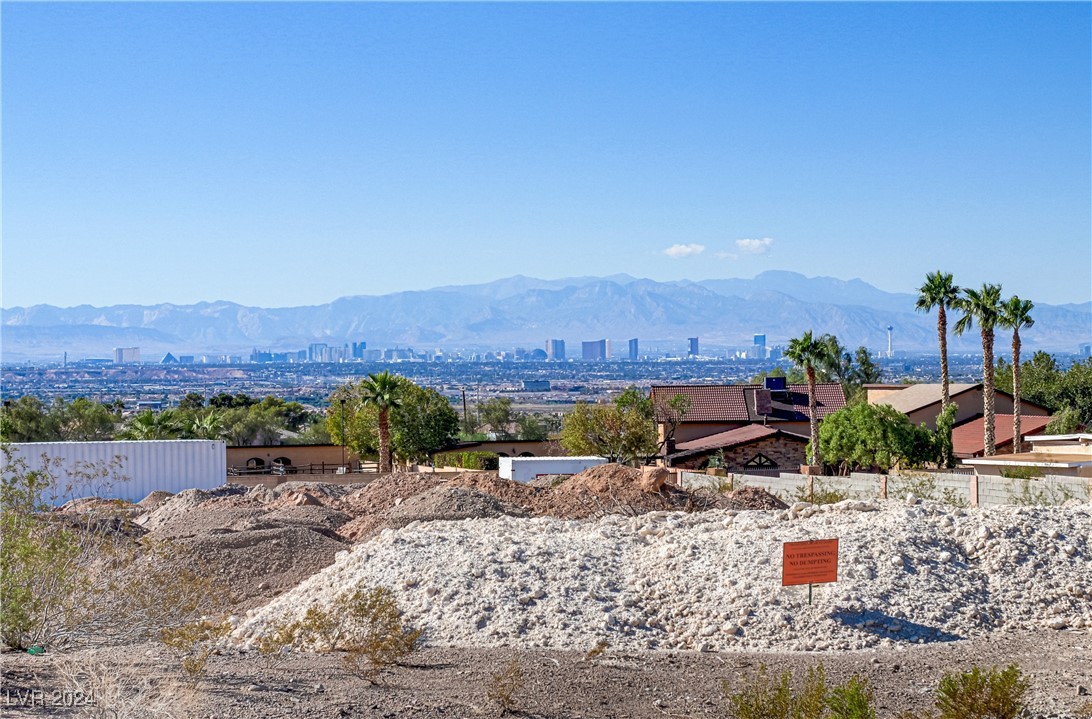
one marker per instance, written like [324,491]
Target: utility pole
[466,426]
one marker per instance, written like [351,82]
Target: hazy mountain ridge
[525,311]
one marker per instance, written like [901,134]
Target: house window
[761,460]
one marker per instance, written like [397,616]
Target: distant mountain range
[524,311]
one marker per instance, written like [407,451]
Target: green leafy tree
[423,423]
[497,413]
[1016,314]
[874,438]
[251,425]
[622,431]
[809,352]
[82,420]
[621,434]
[1068,421]
[939,291]
[534,427]
[27,420]
[983,307]
[192,402]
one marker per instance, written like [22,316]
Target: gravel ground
[908,574]
[561,684]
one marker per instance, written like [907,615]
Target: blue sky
[283,154]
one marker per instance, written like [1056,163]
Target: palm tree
[983,306]
[207,425]
[938,291]
[1016,313]
[382,391]
[809,352]
[150,425]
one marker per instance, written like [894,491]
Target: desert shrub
[1030,492]
[764,697]
[852,700]
[597,650]
[366,624]
[104,691]
[485,461]
[83,579]
[923,486]
[822,492]
[505,684]
[1021,472]
[194,643]
[997,694]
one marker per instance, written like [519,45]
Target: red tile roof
[708,402]
[968,438]
[736,402]
[736,437]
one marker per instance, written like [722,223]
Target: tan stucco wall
[970,407]
[300,455]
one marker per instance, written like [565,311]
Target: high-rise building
[126,355]
[609,352]
[633,352]
[555,350]
[315,351]
[693,350]
[358,349]
[594,350]
[759,348]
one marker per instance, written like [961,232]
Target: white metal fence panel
[134,469]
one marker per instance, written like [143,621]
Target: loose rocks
[663,579]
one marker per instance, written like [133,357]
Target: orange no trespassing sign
[814,562]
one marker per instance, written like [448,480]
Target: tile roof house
[968,439]
[749,446]
[719,408]
[921,402]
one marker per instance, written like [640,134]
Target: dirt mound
[530,498]
[96,505]
[197,520]
[752,498]
[442,502]
[307,516]
[324,491]
[255,565]
[154,499]
[385,492]
[609,489]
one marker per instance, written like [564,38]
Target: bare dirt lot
[609,600]
[562,684]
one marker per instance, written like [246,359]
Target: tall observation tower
[890,353]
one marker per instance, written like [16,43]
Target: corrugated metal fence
[124,470]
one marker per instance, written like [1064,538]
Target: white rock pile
[908,573]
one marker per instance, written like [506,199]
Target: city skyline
[259,153]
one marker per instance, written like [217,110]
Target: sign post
[811,562]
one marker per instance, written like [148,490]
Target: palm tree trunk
[384,441]
[942,336]
[987,392]
[813,419]
[1017,443]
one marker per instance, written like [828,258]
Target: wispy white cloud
[677,251]
[754,247]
